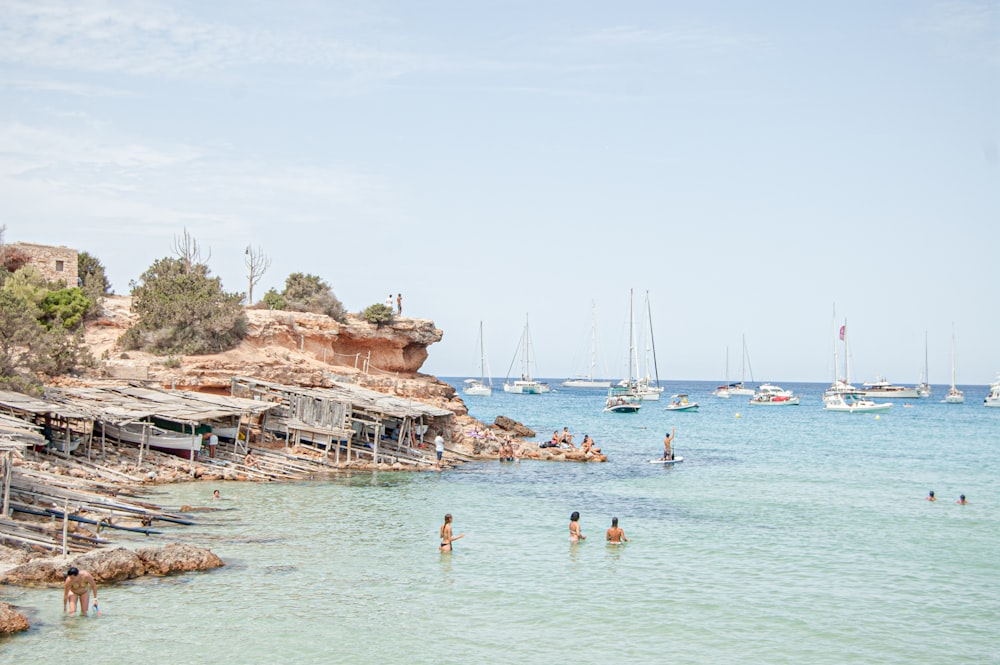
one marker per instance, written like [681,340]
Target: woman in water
[575,535]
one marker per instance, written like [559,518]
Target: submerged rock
[11,621]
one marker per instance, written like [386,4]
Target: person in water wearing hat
[930,496]
[961,500]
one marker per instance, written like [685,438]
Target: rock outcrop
[11,621]
[115,565]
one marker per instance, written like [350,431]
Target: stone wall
[55,263]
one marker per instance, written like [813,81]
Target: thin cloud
[150,40]
[684,38]
[963,29]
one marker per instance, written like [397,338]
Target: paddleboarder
[668,453]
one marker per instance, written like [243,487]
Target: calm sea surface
[787,535]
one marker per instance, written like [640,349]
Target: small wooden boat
[157,438]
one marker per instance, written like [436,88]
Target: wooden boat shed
[348,420]
[187,409]
[55,421]
[15,436]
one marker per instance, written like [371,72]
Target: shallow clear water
[787,535]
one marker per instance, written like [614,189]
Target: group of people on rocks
[399,303]
[565,439]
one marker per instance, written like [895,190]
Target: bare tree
[257,264]
[187,249]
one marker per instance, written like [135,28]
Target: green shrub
[309,293]
[274,300]
[378,314]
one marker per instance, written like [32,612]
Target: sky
[765,171]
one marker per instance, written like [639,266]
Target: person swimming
[930,496]
[575,535]
[615,535]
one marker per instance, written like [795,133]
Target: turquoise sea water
[787,535]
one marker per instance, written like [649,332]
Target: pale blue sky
[750,164]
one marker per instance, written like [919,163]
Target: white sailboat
[924,387]
[954,396]
[648,386]
[483,386]
[723,390]
[624,398]
[841,384]
[589,381]
[741,388]
[525,385]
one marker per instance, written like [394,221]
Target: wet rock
[11,621]
[112,565]
[178,558]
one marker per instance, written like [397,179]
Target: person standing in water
[930,496]
[575,535]
[78,585]
[446,538]
[616,535]
[668,453]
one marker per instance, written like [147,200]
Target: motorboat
[882,388]
[993,399]
[156,438]
[525,385]
[680,402]
[622,400]
[772,395]
[848,403]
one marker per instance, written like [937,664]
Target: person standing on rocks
[399,304]
[439,449]
[78,585]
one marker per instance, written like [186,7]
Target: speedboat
[623,400]
[882,388]
[772,395]
[848,403]
[993,399]
[680,402]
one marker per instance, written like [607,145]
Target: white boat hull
[526,388]
[857,406]
[585,383]
[172,443]
[477,389]
[775,401]
[693,406]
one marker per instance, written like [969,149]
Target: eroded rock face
[11,621]
[177,558]
[113,565]
[514,427]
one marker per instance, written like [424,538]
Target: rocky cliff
[296,348]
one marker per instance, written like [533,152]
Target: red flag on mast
[843,329]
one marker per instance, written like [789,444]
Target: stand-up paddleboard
[675,460]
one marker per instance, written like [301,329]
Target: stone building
[55,263]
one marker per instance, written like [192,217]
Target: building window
[59,266]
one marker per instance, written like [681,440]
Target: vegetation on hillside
[182,309]
[309,293]
[41,329]
[378,314]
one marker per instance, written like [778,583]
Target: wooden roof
[358,398]
[27,404]
[125,403]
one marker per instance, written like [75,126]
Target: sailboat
[525,385]
[741,388]
[483,386]
[723,390]
[954,396]
[589,381]
[924,387]
[624,397]
[647,387]
[841,385]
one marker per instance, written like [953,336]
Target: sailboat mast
[952,355]
[526,360]
[652,339]
[835,377]
[633,354]
[593,339]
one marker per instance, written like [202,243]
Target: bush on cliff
[93,280]
[183,310]
[309,293]
[30,349]
[378,314]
